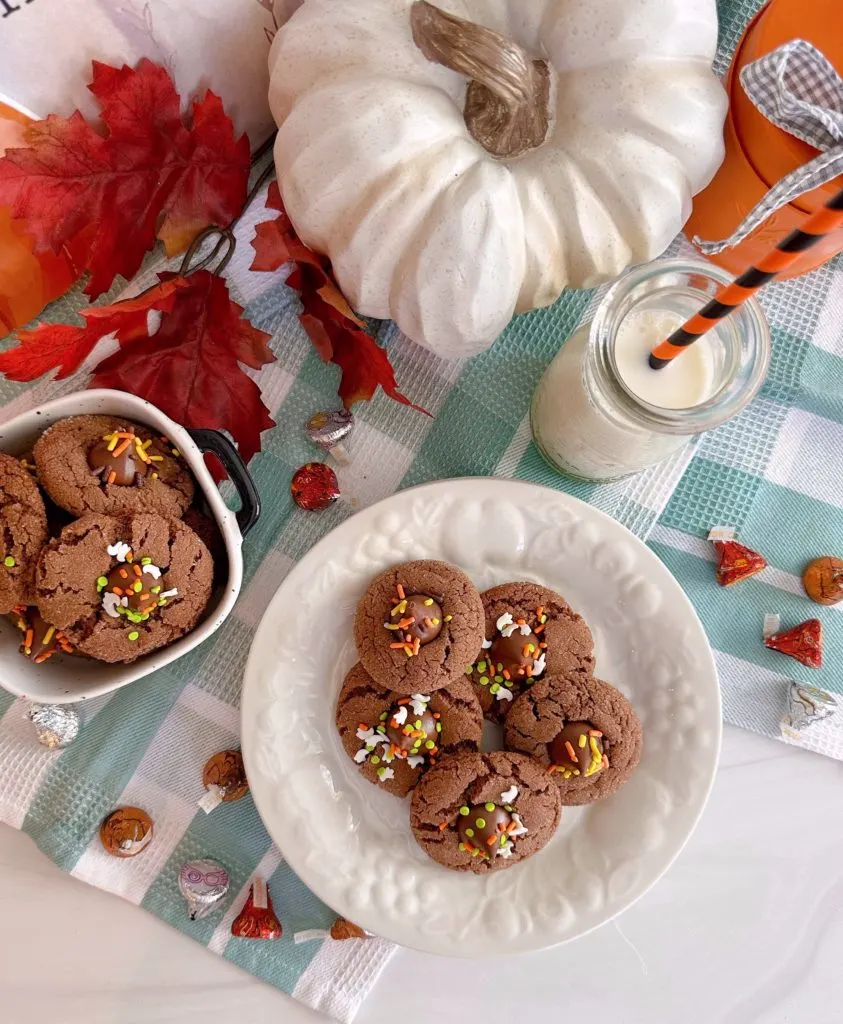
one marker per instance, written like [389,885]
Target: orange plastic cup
[758,154]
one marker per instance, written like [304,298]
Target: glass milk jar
[600,412]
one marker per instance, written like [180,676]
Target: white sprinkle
[167,594]
[503,694]
[486,645]
[365,734]
[119,550]
[504,621]
[505,850]
[772,624]
[400,716]
[153,571]
[388,756]
[415,761]
[110,604]
[507,631]
[539,664]
[525,629]
[510,796]
[361,755]
[385,773]
[419,703]
[521,830]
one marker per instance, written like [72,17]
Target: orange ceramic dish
[758,154]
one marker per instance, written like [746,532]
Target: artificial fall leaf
[190,367]
[65,347]
[337,334]
[147,176]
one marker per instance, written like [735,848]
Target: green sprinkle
[155,590]
[469,832]
[448,618]
[434,622]
[507,683]
[503,840]
[428,602]
[500,666]
[498,679]
[381,773]
[381,730]
[134,635]
[439,727]
[495,688]
[383,717]
[464,810]
[469,670]
[429,745]
[544,619]
[489,806]
[9,562]
[375,759]
[462,847]
[508,807]
[102,583]
[484,680]
[162,604]
[480,822]
[137,586]
[481,666]
[417,723]
[146,561]
[176,452]
[370,747]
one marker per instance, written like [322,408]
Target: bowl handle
[250,503]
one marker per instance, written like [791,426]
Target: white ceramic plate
[351,843]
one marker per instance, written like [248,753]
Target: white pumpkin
[423,224]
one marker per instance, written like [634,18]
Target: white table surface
[746,928]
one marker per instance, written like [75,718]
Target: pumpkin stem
[507,104]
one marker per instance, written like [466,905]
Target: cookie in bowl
[110,466]
[418,625]
[120,587]
[530,631]
[393,739]
[484,812]
[24,533]
[583,731]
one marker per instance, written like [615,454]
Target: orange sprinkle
[605,761]
[138,570]
[506,674]
[42,657]
[397,647]
[27,640]
[403,700]
[468,847]
[362,725]
[551,768]
[491,840]
[511,827]
[526,650]
[594,732]
[124,444]
[404,623]
[521,622]
[417,645]
[117,591]
[407,730]
[400,590]
[436,715]
[112,476]
[529,671]
[123,433]
[428,623]
[538,630]
[407,638]
[543,645]
[443,825]
[539,611]
[571,751]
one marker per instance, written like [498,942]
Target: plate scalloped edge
[350,843]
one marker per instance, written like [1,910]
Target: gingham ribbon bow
[800,91]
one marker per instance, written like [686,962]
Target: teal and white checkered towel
[774,473]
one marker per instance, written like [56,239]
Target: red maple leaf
[191,366]
[337,334]
[64,346]
[147,176]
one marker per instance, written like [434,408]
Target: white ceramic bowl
[65,679]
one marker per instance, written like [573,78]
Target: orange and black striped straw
[827,219]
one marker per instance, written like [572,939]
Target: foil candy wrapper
[328,430]
[203,883]
[56,725]
[806,705]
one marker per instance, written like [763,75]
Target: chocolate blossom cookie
[530,631]
[484,812]
[393,739]
[109,466]
[418,625]
[24,532]
[119,588]
[583,731]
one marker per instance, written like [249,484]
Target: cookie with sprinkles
[584,733]
[530,631]
[418,625]
[108,466]
[395,739]
[119,587]
[24,532]
[484,812]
